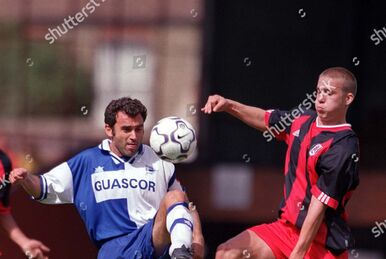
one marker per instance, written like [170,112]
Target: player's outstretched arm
[30,182]
[253,116]
[31,248]
[198,245]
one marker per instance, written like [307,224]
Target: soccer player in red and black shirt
[320,173]
[31,247]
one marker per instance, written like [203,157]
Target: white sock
[179,223]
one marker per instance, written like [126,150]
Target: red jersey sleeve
[5,168]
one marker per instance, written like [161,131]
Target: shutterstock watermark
[378,35]
[378,230]
[71,22]
[286,121]
[4,182]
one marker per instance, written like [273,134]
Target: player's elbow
[224,252]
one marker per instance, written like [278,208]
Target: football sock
[179,223]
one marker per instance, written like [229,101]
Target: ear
[349,98]
[109,131]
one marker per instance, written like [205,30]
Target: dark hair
[131,107]
[350,82]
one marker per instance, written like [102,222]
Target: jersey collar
[105,146]
[344,125]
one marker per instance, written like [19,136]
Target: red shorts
[282,237]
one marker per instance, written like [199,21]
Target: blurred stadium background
[172,54]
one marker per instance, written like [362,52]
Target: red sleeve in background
[3,185]
[4,210]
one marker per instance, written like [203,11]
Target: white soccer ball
[173,139]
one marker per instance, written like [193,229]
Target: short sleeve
[5,208]
[5,168]
[57,185]
[173,183]
[4,192]
[278,123]
[338,173]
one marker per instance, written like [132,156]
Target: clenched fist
[17,175]
[215,103]
[35,249]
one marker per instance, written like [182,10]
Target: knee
[220,251]
[225,252]
[172,197]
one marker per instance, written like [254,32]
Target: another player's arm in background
[30,182]
[253,116]
[198,245]
[309,229]
[30,247]
[198,241]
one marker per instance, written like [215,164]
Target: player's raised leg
[245,245]
[173,224]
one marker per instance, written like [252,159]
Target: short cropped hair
[131,107]
[349,80]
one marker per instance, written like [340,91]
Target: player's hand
[17,175]
[296,254]
[198,250]
[198,246]
[215,103]
[34,249]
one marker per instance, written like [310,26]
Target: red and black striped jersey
[5,169]
[321,161]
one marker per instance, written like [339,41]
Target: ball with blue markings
[173,139]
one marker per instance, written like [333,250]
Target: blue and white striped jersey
[113,196]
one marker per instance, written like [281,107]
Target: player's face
[331,100]
[126,135]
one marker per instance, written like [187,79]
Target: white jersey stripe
[320,196]
[324,198]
